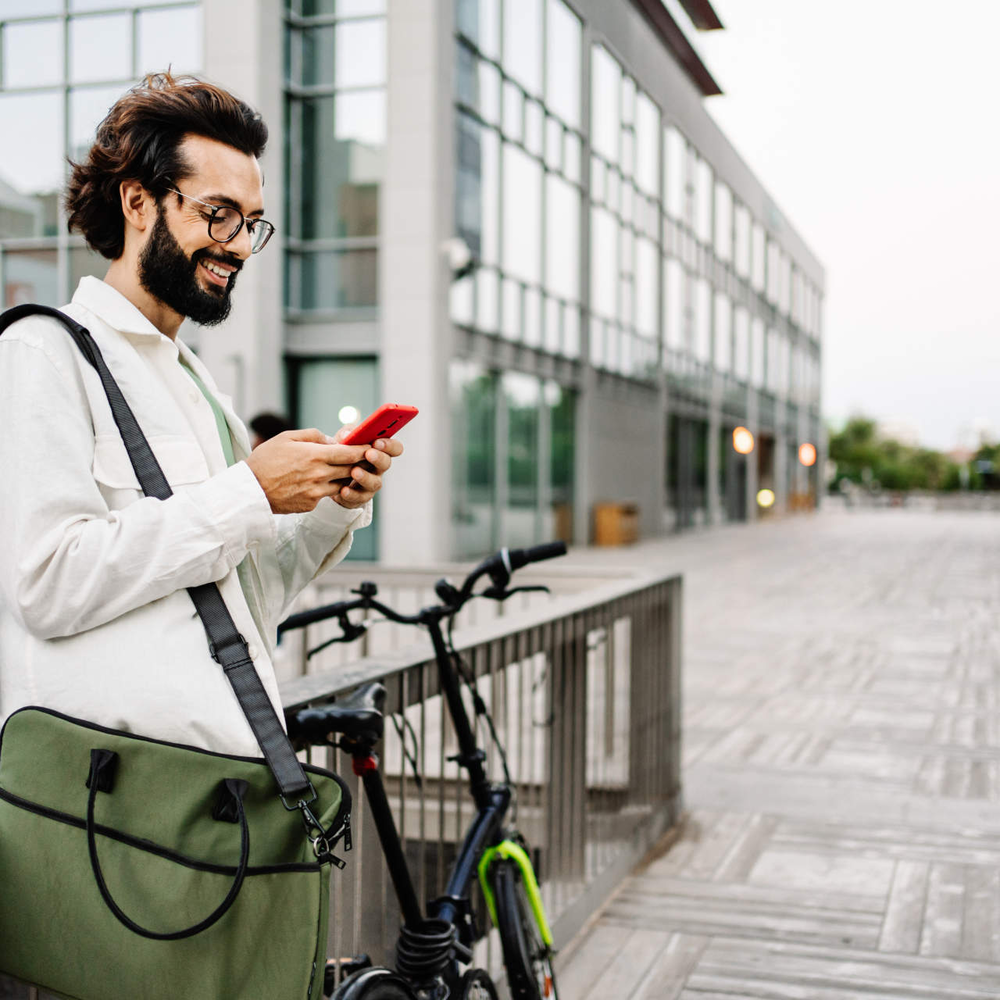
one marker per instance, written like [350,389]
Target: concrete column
[713,500]
[416,217]
[244,354]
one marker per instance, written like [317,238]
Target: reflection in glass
[32,54]
[100,48]
[562,62]
[341,164]
[522,205]
[87,109]
[170,37]
[30,276]
[473,407]
[605,86]
[36,167]
[323,387]
[562,238]
[333,279]
[522,43]
[522,396]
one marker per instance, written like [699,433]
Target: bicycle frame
[485,830]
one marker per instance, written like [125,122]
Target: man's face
[180,264]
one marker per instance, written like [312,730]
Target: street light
[765,498]
[807,454]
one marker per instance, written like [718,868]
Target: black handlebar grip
[548,550]
[304,618]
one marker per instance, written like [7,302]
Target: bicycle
[433,948]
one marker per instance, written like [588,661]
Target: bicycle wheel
[528,963]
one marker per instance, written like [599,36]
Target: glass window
[723,333]
[723,222]
[487,299]
[561,406]
[84,5]
[324,387]
[32,54]
[360,53]
[87,108]
[340,164]
[513,111]
[605,125]
[703,201]
[332,279]
[170,37]
[30,8]
[562,62]
[522,205]
[758,262]
[773,267]
[647,289]
[703,320]
[473,407]
[553,144]
[30,276]
[100,48]
[32,168]
[742,257]
[603,262]
[562,238]
[468,173]
[489,93]
[522,396]
[675,172]
[757,366]
[741,344]
[647,145]
[673,304]
[773,361]
[489,192]
[534,118]
[522,43]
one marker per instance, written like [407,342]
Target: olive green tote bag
[135,869]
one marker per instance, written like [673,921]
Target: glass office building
[634,294]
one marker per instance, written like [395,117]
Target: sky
[874,125]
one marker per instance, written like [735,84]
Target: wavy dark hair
[140,139]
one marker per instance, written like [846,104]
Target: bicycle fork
[515,852]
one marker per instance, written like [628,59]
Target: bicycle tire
[525,956]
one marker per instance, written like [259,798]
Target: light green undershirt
[246,571]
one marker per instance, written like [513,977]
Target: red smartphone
[383,423]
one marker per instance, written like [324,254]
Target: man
[95,620]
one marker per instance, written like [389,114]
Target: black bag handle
[103,761]
[228,646]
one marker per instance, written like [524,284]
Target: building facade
[633,295]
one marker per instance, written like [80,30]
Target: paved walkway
[842,776]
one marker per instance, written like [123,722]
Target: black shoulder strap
[228,647]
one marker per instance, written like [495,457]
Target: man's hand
[296,469]
[368,475]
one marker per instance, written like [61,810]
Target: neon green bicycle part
[516,853]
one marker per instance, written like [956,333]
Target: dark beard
[169,275]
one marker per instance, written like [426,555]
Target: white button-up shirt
[95,620]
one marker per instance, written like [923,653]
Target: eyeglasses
[225,223]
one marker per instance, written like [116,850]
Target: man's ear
[138,205]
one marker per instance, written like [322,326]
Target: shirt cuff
[329,516]
[236,506]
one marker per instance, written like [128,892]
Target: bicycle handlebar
[498,567]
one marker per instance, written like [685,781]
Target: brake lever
[351,631]
[501,594]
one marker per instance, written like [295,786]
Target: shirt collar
[111,307]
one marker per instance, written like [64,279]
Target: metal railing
[584,690]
